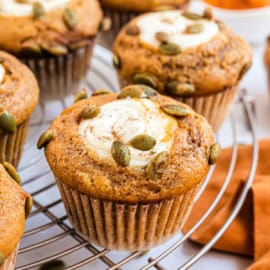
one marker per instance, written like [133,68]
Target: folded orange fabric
[249,234]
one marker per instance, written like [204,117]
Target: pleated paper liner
[214,107]
[9,263]
[11,145]
[60,76]
[126,226]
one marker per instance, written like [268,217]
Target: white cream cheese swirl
[174,24]
[25,7]
[124,119]
[2,73]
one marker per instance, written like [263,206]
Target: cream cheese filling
[124,119]
[2,73]
[174,25]
[25,7]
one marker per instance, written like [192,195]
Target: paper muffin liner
[118,19]
[124,226]
[60,76]
[214,107]
[9,263]
[11,145]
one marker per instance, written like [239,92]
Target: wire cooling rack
[49,235]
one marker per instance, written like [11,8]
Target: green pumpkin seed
[169,49]
[162,37]
[8,122]
[106,24]
[208,14]
[12,173]
[132,91]
[31,47]
[70,18]
[175,110]
[133,30]
[28,206]
[149,91]
[38,10]
[101,92]
[146,78]
[195,28]
[157,165]
[143,142]
[80,96]
[55,49]
[2,258]
[120,153]
[116,61]
[90,112]
[44,139]
[53,265]
[178,89]
[214,153]
[244,70]
[78,45]
[191,16]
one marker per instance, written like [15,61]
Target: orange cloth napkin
[249,234]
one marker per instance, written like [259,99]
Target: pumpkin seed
[178,89]
[78,45]
[244,70]
[169,49]
[132,91]
[157,165]
[146,78]
[175,110]
[28,206]
[101,92]
[143,142]
[164,8]
[53,265]
[70,18]
[44,139]
[8,122]
[195,28]
[208,14]
[38,10]
[133,30]
[191,16]
[55,49]
[214,153]
[31,47]
[116,61]
[106,24]
[120,153]
[162,37]
[2,258]
[80,96]
[89,112]
[12,173]
[149,91]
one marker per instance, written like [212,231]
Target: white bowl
[251,24]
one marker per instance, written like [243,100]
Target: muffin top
[136,146]
[267,52]
[14,207]
[18,91]
[141,6]
[181,53]
[47,26]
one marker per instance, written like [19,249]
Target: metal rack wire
[48,227]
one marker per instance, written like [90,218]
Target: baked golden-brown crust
[267,53]
[211,66]
[77,166]
[19,34]
[12,213]
[19,90]
[135,5]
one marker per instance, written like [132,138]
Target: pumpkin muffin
[121,11]
[267,61]
[54,38]
[128,165]
[193,58]
[15,206]
[18,98]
